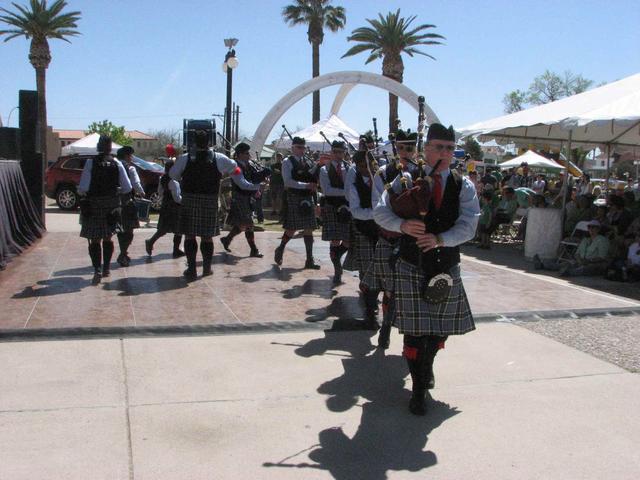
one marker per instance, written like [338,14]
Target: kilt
[332,228]
[240,213]
[129,217]
[379,275]
[365,248]
[169,216]
[199,215]
[295,219]
[95,225]
[414,316]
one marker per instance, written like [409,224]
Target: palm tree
[387,38]
[39,22]
[317,14]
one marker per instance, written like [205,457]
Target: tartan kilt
[95,225]
[414,316]
[169,217]
[295,219]
[379,275]
[332,228]
[129,216]
[240,213]
[365,248]
[199,215]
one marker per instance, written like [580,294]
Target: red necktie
[437,191]
[339,170]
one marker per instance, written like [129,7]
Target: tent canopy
[605,115]
[86,146]
[331,127]
[533,159]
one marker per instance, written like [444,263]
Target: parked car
[63,177]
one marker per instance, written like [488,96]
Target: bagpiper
[245,186]
[199,172]
[103,179]
[430,300]
[300,181]
[129,212]
[336,218]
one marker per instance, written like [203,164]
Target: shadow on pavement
[132,286]
[55,286]
[275,272]
[345,309]
[321,288]
[388,437]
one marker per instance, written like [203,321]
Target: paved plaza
[259,372]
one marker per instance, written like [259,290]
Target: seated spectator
[591,257]
[581,213]
[618,216]
[585,187]
[630,203]
[539,185]
[506,209]
[488,178]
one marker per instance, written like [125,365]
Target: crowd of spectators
[604,225]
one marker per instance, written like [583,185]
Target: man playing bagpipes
[435,216]
[358,187]
[300,181]
[336,218]
[240,215]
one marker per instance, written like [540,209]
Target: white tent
[607,115]
[331,127]
[86,145]
[533,159]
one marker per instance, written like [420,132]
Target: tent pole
[565,184]
[606,189]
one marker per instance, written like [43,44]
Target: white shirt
[465,226]
[225,165]
[134,179]
[174,188]
[289,182]
[241,181]
[325,182]
[85,178]
[353,197]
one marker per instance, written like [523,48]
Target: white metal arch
[348,79]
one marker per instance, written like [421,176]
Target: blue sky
[146,64]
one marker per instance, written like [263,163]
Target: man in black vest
[199,172]
[300,181]
[245,186]
[336,219]
[129,211]
[102,179]
[430,300]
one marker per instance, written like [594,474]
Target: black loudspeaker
[10,143]
[32,164]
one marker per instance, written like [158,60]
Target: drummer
[129,211]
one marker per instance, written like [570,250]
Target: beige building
[141,142]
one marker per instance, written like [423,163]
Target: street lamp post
[230,62]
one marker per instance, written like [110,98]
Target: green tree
[105,127]
[388,38]
[164,137]
[472,147]
[316,14]
[38,22]
[546,88]
[514,101]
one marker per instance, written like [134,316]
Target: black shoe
[418,404]
[97,275]
[310,264]
[337,279]
[384,336]
[225,243]
[190,274]
[207,272]
[177,253]
[537,263]
[256,253]
[105,271]
[277,257]
[148,246]
[123,260]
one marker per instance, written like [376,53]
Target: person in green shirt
[506,209]
[591,257]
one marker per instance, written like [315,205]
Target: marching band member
[129,212]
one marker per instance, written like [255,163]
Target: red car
[63,177]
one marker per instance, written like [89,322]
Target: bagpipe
[256,173]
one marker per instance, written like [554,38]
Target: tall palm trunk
[315,48]
[393,67]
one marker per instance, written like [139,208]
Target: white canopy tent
[533,159]
[86,145]
[331,127]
